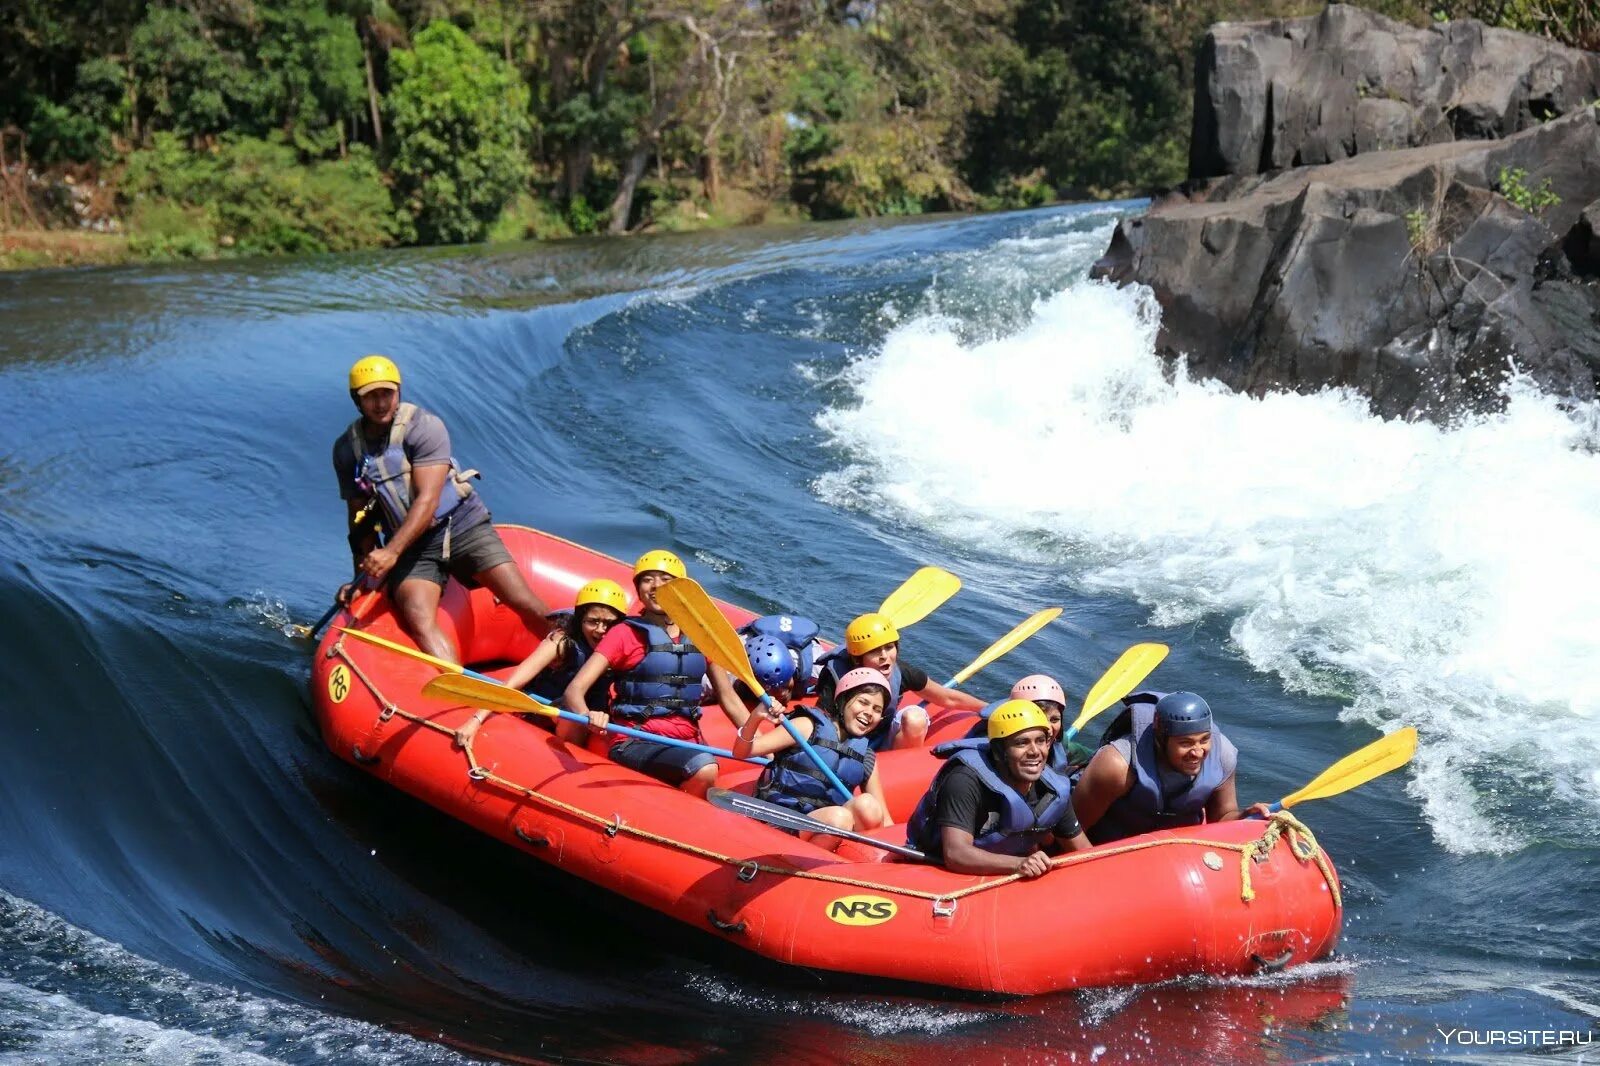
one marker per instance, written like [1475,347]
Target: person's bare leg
[838,817]
[913,728]
[867,812]
[701,782]
[512,589]
[416,600]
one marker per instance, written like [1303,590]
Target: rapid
[806,415]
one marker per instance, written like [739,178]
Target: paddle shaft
[310,632]
[811,753]
[625,731]
[784,818]
[558,712]
[699,620]
[518,702]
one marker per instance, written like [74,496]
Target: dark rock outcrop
[1299,92]
[1421,277]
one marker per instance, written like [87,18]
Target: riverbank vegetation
[195,128]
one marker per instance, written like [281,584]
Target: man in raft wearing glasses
[996,806]
[414,517]
[658,681]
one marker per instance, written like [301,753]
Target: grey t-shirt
[427,444]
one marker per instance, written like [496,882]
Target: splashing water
[1440,576]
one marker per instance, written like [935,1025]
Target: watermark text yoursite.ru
[1529,1038]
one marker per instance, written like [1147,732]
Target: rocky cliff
[1419,275]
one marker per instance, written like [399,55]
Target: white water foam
[1446,578]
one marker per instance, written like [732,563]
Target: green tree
[458,117]
[312,71]
[185,80]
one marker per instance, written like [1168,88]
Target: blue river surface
[806,414]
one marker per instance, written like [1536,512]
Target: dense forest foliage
[197,126]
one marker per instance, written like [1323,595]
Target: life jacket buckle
[944,907]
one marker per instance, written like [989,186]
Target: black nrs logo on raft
[861,910]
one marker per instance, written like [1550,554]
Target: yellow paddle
[918,595]
[1019,633]
[1357,768]
[444,664]
[687,604]
[494,696]
[1131,667]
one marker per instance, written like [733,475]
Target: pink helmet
[1039,687]
[861,675]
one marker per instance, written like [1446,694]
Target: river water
[806,414]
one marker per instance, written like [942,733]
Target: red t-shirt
[623,648]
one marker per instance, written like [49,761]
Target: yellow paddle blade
[1131,667]
[443,664]
[916,598]
[687,604]
[1359,767]
[1024,629]
[453,688]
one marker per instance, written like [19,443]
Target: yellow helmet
[370,371]
[604,592]
[659,559]
[1015,716]
[868,632]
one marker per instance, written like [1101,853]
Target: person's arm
[727,697]
[1223,806]
[575,698]
[962,856]
[772,741]
[958,812]
[549,650]
[955,699]
[1107,777]
[427,483]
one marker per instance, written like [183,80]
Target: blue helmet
[1181,714]
[772,661]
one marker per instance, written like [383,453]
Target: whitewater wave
[1439,576]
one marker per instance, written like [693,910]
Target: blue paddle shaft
[811,753]
[620,730]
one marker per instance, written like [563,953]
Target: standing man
[414,517]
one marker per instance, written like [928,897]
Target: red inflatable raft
[1231,898]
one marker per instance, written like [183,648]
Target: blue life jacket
[552,682]
[792,780]
[668,681]
[1020,826]
[386,476]
[797,634]
[1151,804]
[980,728]
[837,663]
